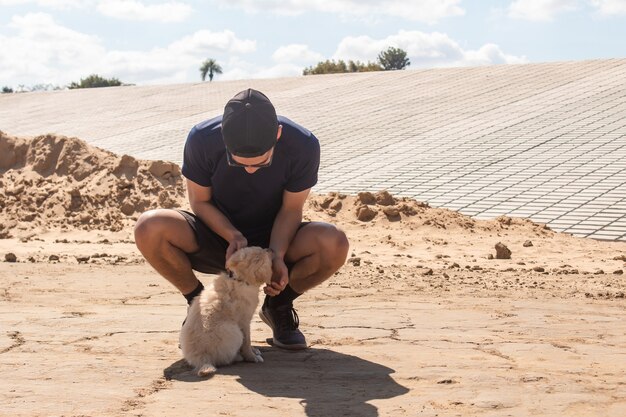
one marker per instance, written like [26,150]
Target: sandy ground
[398,332]
[419,322]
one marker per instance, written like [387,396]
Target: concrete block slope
[542,141]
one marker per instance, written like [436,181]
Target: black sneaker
[284,323]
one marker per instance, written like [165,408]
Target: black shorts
[211,257]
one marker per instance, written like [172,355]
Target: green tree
[6,89]
[94,81]
[326,67]
[332,67]
[211,67]
[358,66]
[393,59]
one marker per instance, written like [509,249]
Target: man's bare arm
[285,227]
[287,221]
[200,202]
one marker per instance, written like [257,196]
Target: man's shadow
[327,383]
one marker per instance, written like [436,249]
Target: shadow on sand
[327,383]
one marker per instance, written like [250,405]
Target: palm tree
[211,67]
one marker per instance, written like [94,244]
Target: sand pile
[373,209]
[59,182]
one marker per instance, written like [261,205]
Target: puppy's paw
[206,370]
[254,356]
[249,356]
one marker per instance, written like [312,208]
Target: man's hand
[237,242]
[280,277]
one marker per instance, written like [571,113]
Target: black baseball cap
[249,124]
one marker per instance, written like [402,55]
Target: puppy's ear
[232,262]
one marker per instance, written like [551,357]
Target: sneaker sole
[272,341]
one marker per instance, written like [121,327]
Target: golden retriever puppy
[217,329]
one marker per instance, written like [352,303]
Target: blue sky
[163,41]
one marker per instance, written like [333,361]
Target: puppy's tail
[206,370]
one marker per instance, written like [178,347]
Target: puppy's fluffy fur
[217,329]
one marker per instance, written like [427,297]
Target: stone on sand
[502,252]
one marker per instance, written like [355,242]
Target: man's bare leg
[163,237]
[317,251]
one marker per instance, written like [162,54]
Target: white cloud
[289,61]
[42,51]
[296,53]
[610,7]
[490,54]
[53,4]
[429,11]
[171,11]
[164,11]
[540,10]
[238,69]
[205,41]
[424,50]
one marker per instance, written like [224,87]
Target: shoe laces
[287,318]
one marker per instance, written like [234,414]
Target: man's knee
[150,227]
[336,245]
[156,228]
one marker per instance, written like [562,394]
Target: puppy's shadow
[327,383]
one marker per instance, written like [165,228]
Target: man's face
[252,165]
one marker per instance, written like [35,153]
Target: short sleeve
[304,171]
[197,166]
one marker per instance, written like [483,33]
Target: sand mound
[59,182]
[373,209]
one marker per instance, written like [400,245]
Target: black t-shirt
[251,201]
